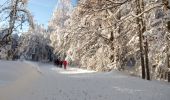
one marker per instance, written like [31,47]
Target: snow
[72,71]
[26,83]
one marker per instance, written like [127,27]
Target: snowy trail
[76,84]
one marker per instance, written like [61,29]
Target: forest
[132,36]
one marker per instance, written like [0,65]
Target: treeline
[128,35]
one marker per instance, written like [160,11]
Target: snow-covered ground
[37,81]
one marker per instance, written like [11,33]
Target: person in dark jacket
[57,62]
[60,63]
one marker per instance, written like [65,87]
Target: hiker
[65,64]
[57,62]
[60,63]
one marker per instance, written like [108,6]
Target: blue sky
[41,9]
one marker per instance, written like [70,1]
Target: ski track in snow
[47,82]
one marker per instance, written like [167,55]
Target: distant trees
[58,24]
[35,45]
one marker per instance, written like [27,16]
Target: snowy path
[51,83]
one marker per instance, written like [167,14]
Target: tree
[140,32]
[35,45]
[115,34]
[16,14]
[57,25]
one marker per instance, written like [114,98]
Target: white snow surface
[72,71]
[37,81]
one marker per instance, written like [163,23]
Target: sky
[41,9]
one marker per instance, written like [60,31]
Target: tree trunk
[146,43]
[147,60]
[13,14]
[140,34]
[166,8]
[168,76]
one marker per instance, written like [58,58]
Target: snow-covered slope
[15,78]
[76,84]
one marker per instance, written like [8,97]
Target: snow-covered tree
[129,35]
[58,24]
[14,13]
[35,45]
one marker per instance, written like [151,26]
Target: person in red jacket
[65,64]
